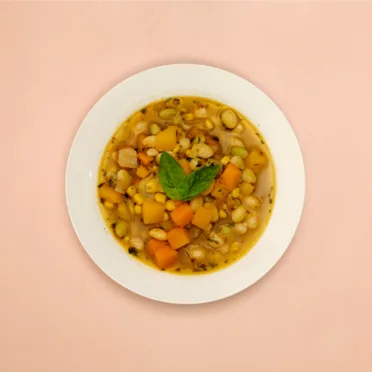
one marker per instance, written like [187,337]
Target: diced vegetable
[220,191]
[202,218]
[182,215]
[152,212]
[123,181]
[109,194]
[185,165]
[153,245]
[256,160]
[194,131]
[124,212]
[127,158]
[166,140]
[231,176]
[178,237]
[142,172]
[163,255]
[213,144]
[144,159]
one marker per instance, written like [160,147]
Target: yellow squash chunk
[109,194]
[256,160]
[152,212]
[166,140]
[202,218]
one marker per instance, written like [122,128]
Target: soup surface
[187,185]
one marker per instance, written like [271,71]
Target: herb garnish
[177,185]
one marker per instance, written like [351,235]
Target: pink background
[60,313]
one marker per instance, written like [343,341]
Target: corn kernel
[225,160]
[138,199]
[170,205]
[131,190]
[138,209]
[235,193]
[176,149]
[190,154]
[160,198]
[166,216]
[208,124]
[222,213]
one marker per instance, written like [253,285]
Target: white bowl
[98,127]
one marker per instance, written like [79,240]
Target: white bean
[251,202]
[249,176]
[238,161]
[252,221]
[152,152]
[240,228]
[238,214]
[202,150]
[229,118]
[159,234]
[168,113]
[137,243]
[121,229]
[239,151]
[215,240]
[236,142]
[149,141]
[154,129]
[197,254]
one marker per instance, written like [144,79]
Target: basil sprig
[177,185]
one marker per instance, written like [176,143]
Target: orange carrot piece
[182,215]
[165,257]
[231,176]
[194,131]
[153,245]
[215,145]
[202,218]
[219,191]
[162,254]
[144,158]
[186,166]
[178,237]
[142,172]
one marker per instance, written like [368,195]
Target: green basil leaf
[172,177]
[199,181]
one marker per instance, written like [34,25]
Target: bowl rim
[137,90]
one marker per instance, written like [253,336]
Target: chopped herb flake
[133,251]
